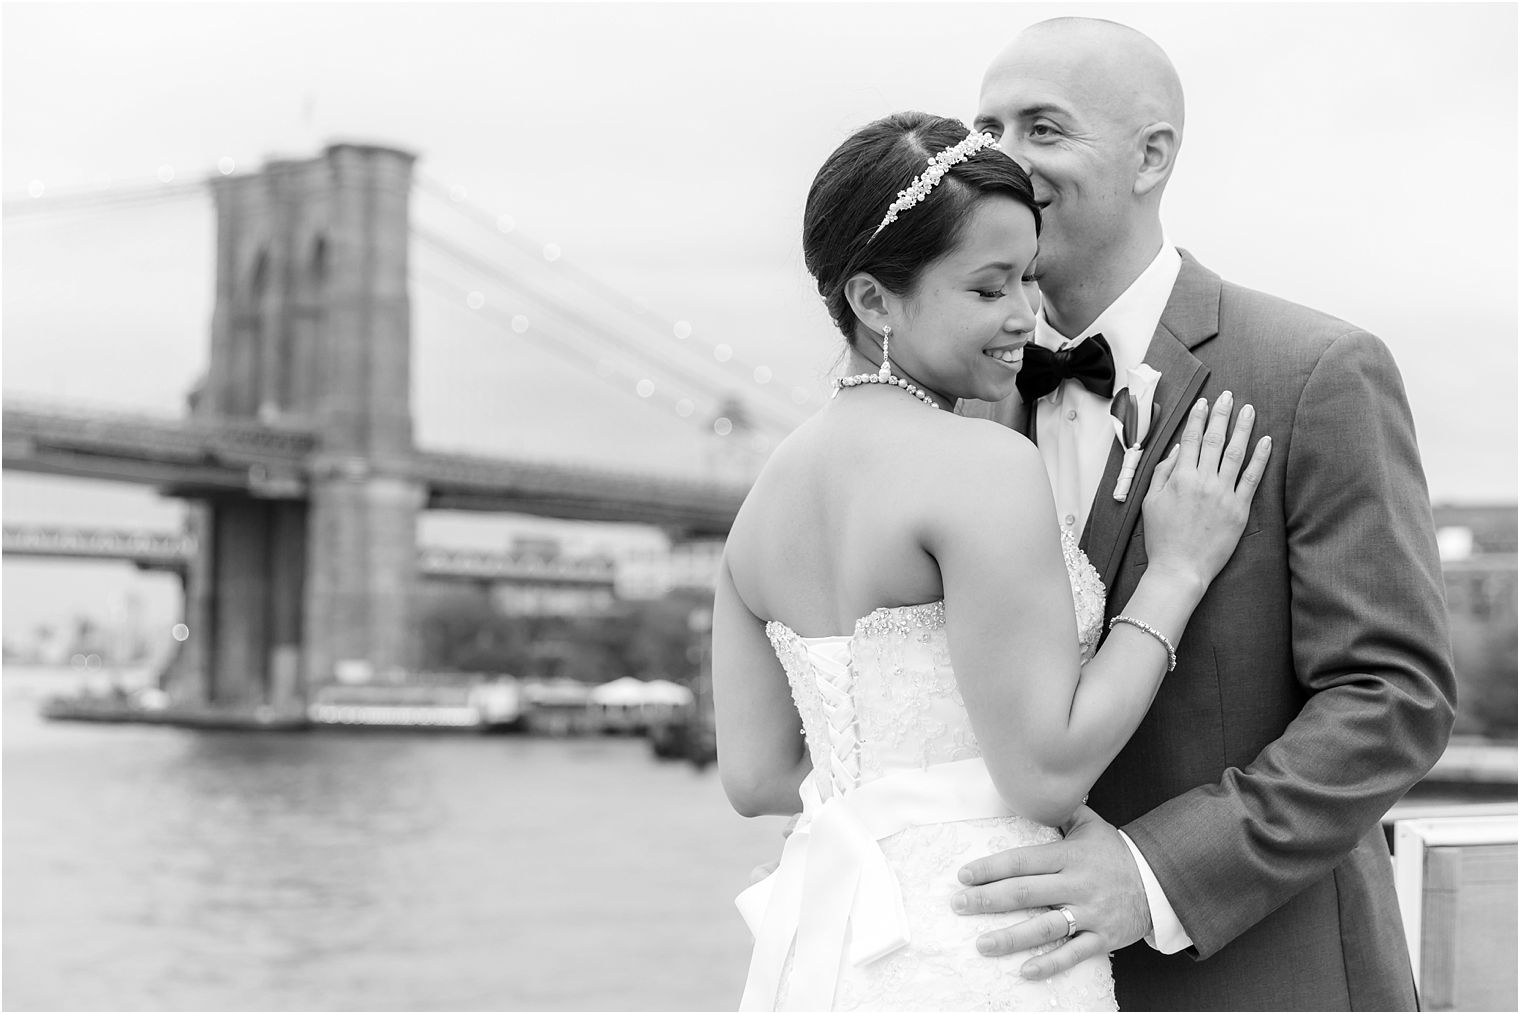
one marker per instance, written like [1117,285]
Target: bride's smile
[1011,356]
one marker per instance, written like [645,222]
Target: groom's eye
[1042,130]
[991,293]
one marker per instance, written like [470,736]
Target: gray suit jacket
[1314,683]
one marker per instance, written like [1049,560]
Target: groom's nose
[1019,152]
[1008,144]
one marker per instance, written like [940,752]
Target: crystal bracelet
[1171,653]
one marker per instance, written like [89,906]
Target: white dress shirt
[1073,427]
[1075,433]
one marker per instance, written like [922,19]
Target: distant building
[1478,561]
[1466,530]
[552,600]
[652,575]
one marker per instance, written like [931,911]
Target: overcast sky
[1358,158]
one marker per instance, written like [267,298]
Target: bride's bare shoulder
[958,441]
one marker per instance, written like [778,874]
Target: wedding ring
[1071,921]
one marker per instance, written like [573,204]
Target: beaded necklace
[884,376]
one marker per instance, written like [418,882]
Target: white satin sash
[833,882]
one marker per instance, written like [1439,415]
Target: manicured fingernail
[1246,411]
[1028,971]
[985,945]
[1227,396]
[961,902]
[964,876]
[1201,403]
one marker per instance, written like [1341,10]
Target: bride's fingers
[1192,433]
[1213,436]
[1070,954]
[1254,470]
[1164,470]
[1235,450]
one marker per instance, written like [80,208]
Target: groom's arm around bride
[1314,684]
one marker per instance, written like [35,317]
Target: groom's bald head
[1119,70]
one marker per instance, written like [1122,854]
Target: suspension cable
[487,222]
[573,349]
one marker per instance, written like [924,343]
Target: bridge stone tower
[309,579]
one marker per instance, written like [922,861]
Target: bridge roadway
[192,455]
[174,551]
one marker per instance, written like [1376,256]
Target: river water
[166,869]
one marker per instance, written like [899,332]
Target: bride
[904,642]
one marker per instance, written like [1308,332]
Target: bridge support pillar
[188,678]
[362,574]
[243,605]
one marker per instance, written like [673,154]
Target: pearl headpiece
[938,166]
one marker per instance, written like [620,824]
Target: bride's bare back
[835,525]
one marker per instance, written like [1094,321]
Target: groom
[1314,684]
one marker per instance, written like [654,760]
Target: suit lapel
[1191,318]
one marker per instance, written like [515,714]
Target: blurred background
[380,377]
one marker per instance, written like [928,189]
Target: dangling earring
[884,375]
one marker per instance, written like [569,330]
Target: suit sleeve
[1371,651]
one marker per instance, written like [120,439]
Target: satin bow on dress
[834,893]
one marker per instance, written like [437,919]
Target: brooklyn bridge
[296,455]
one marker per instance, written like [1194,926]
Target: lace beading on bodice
[884,698]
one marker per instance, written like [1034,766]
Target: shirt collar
[1130,321]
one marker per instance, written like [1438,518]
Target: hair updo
[852,192]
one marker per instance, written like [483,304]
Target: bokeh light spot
[763,374]
[723,426]
[35,188]
[645,388]
[684,408]
[475,300]
[180,632]
[552,251]
[723,353]
[506,223]
[225,165]
[519,323]
[682,330]
[166,173]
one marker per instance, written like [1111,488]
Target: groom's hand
[1091,872]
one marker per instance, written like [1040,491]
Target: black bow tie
[1090,363]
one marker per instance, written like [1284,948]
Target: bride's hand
[1195,509]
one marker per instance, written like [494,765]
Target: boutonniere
[1134,410]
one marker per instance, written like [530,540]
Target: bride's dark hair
[859,182]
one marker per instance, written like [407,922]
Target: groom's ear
[870,300]
[1158,153]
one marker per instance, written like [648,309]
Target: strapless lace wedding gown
[858,913]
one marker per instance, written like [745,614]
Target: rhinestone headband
[938,166]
